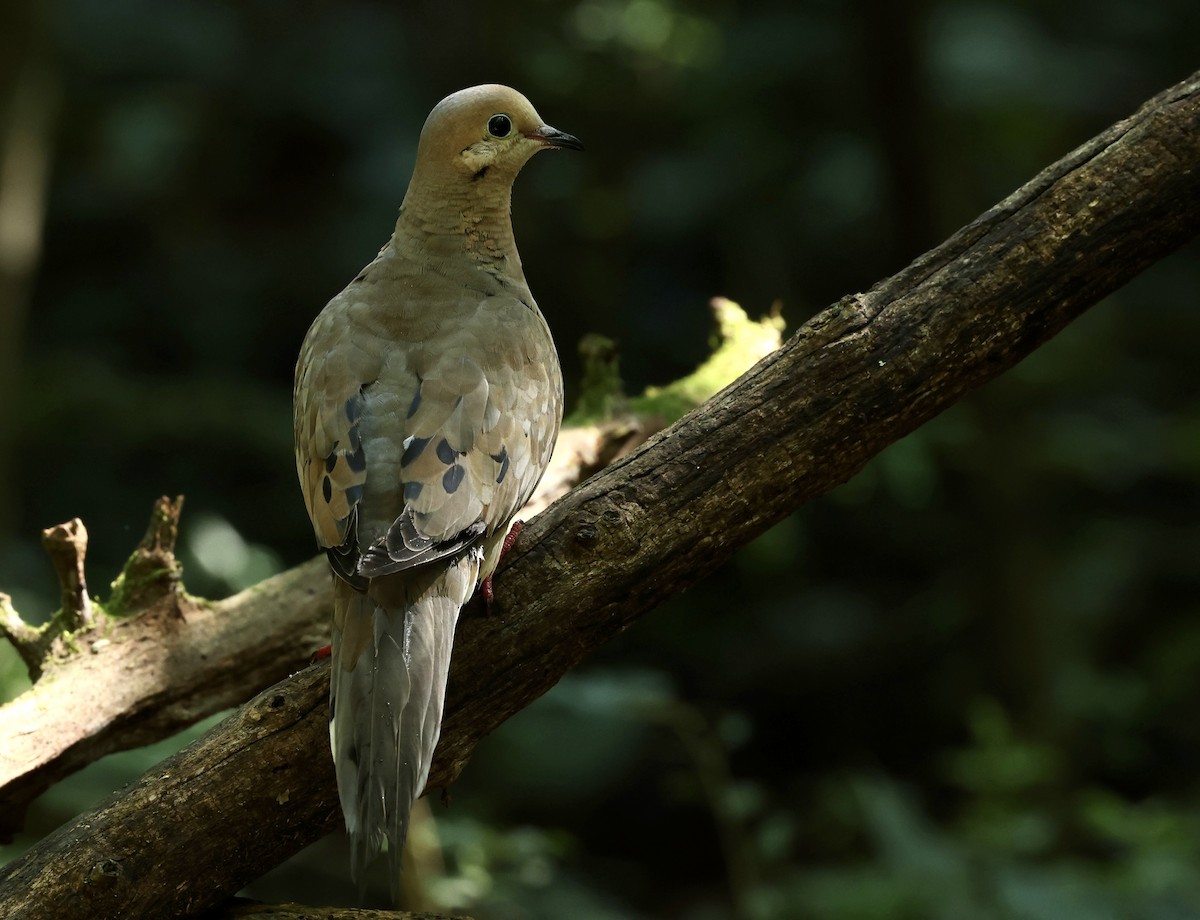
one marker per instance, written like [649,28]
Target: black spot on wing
[453,478]
[415,404]
[445,452]
[355,458]
[502,459]
[413,451]
[412,491]
[327,489]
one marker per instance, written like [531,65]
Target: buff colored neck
[452,218]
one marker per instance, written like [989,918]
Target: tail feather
[391,657]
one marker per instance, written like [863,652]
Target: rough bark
[859,376]
[181,658]
[109,683]
[250,911]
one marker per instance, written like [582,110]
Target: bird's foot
[489,593]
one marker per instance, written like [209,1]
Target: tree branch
[129,682]
[26,639]
[155,659]
[251,911]
[66,545]
[857,377]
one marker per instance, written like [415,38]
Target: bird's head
[485,132]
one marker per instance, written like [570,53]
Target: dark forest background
[964,685]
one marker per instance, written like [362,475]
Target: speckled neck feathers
[448,220]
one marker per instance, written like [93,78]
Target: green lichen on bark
[152,571]
[740,342]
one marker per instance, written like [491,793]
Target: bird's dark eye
[499,126]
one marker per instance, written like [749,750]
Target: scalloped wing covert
[418,434]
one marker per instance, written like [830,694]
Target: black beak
[552,137]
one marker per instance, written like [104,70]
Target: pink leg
[489,593]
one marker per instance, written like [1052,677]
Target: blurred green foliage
[964,685]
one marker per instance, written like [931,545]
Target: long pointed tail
[391,655]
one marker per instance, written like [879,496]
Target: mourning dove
[427,401]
